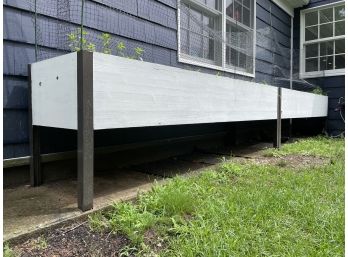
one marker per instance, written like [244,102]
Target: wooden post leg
[85,133]
[85,165]
[34,142]
[35,160]
[277,142]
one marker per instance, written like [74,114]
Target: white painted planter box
[131,93]
[91,91]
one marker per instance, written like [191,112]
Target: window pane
[339,13]
[242,60]
[246,17]
[326,48]
[237,11]
[326,30]
[339,28]
[196,21]
[311,18]
[208,26]
[312,64]
[312,50]
[326,63]
[339,46]
[326,15]
[232,57]
[246,3]
[311,33]
[214,4]
[339,61]
[184,41]
[208,48]
[229,8]
[184,16]
[196,48]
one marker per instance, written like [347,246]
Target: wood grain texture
[297,104]
[55,101]
[130,93]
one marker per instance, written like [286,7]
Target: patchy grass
[8,252]
[241,210]
[316,146]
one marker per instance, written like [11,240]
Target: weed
[281,163]
[8,252]
[97,221]
[41,243]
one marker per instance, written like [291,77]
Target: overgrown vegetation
[78,41]
[318,91]
[241,210]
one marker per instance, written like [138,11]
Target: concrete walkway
[27,209]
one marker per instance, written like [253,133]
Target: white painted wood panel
[130,93]
[54,92]
[297,104]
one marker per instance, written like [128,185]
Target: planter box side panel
[54,92]
[297,104]
[130,93]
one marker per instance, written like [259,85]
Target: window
[322,40]
[218,34]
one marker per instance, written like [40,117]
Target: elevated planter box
[92,91]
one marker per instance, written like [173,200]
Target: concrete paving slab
[27,209]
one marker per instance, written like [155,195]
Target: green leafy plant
[318,91]
[138,53]
[41,243]
[75,41]
[106,39]
[8,252]
[120,48]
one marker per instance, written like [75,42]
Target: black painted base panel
[218,135]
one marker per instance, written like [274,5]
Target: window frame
[303,42]
[188,59]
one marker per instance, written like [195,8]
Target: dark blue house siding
[150,24]
[333,86]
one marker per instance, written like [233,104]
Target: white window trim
[182,59]
[316,74]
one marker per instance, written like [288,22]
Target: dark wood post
[34,141]
[85,131]
[278,137]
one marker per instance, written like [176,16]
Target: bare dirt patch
[78,240]
[289,161]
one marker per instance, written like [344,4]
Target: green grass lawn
[241,210]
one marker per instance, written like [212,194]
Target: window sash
[332,38]
[221,64]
